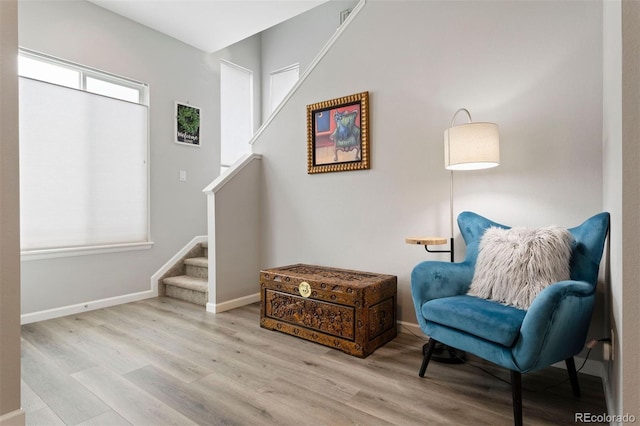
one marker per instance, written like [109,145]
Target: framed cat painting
[338,134]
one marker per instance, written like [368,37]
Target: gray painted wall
[298,40]
[10,411]
[237,231]
[627,313]
[612,183]
[420,62]
[621,132]
[542,87]
[237,205]
[87,34]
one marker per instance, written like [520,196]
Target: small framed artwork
[338,134]
[187,127]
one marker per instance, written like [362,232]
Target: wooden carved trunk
[348,310]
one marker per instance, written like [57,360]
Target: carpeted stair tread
[203,262]
[188,282]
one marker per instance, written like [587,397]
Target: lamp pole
[451,214]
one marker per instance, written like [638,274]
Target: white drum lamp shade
[471,146]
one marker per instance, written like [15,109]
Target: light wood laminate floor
[164,361]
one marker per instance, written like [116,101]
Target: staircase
[187,279]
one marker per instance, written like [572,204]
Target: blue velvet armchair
[553,329]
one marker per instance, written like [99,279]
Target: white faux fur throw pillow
[516,264]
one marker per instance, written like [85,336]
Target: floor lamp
[470,146]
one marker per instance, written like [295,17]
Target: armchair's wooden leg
[516,391]
[427,351]
[573,376]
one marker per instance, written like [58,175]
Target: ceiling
[209,25]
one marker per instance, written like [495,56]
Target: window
[83,158]
[236,112]
[113,90]
[32,67]
[282,81]
[51,70]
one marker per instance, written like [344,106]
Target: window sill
[82,251]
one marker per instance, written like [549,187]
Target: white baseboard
[216,308]
[14,418]
[86,306]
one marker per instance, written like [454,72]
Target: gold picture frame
[338,134]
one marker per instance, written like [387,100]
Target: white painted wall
[535,68]
[87,34]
